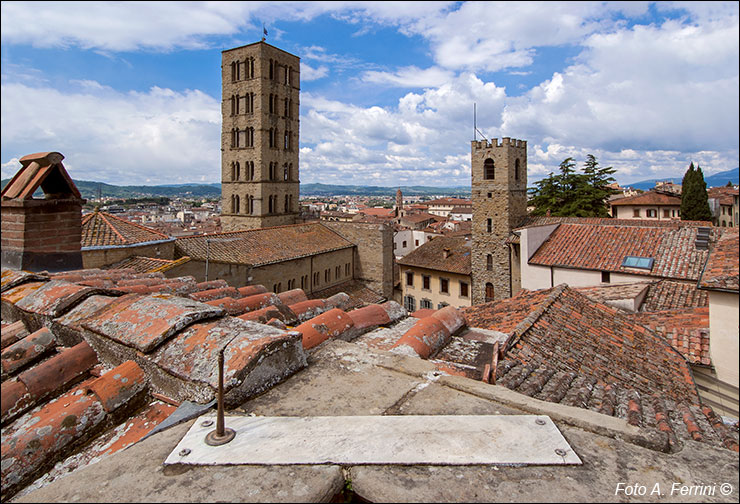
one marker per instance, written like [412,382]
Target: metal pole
[208,250]
[221,435]
[475,124]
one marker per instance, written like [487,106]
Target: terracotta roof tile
[48,433]
[671,295]
[686,329]
[651,198]
[431,255]
[329,324]
[604,247]
[263,246]
[359,294]
[56,297]
[12,333]
[142,264]
[571,333]
[721,270]
[101,229]
[250,290]
[541,220]
[12,278]
[44,170]
[145,322]
[27,351]
[270,313]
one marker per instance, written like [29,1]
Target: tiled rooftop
[164,346]
[650,198]
[721,271]
[687,329]
[444,253]
[142,264]
[604,247]
[263,246]
[101,229]
[670,295]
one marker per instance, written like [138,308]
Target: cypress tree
[694,198]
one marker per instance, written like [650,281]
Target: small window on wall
[444,286]
[426,282]
[605,277]
[489,292]
[425,303]
[636,212]
[489,262]
[463,289]
[489,225]
[409,279]
[489,172]
[346,269]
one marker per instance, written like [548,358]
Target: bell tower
[259,137]
[499,193]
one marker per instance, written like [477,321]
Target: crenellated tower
[499,193]
[259,137]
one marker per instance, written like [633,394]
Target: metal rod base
[213,439]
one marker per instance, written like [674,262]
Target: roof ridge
[102,216]
[533,316]
[126,221]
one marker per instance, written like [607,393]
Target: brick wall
[96,258]
[42,234]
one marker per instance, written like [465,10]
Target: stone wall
[373,261]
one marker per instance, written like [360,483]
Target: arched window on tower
[488,169]
[272,70]
[516,170]
[489,292]
[286,203]
[235,203]
[237,171]
[286,173]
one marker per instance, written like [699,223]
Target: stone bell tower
[499,193]
[259,137]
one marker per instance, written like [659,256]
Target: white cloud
[309,73]
[161,135]
[411,76]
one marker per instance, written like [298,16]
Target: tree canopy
[573,194]
[694,198]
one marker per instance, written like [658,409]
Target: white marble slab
[405,439]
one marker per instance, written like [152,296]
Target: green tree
[572,194]
[694,198]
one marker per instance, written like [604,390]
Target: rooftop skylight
[638,262]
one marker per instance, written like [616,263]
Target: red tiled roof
[671,295]
[378,212]
[142,264]
[723,194]
[604,247]
[263,246]
[430,255]
[101,229]
[721,271]
[569,332]
[542,220]
[686,329]
[650,198]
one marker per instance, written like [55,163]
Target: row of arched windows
[489,170]
[249,208]
[281,73]
[273,137]
[273,105]
[248,173]
[241,138]
[242,69]
[242,104]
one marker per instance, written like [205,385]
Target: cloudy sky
[129,92]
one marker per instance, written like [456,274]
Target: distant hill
[355,190]
[89,189]
[718,179]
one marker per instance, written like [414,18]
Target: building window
[442,305]
[409,303]
[490,195]
[235,203]
[636,212]
[316,278]
[464,289]
[651,213]
[489,262]
[425,303]
[488,169]
[346,269]
[327,275]
[409,279]
[426,282]
[404,244]
[516,170]
[666,213]
[605,277]
[444,286]
[489,292]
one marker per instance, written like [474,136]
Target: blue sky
[129,92]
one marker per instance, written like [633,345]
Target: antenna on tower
[476,131]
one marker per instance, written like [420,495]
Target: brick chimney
[41,234]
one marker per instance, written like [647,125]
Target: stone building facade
[259,137]
[499,193]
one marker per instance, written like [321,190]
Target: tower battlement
[494,143]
